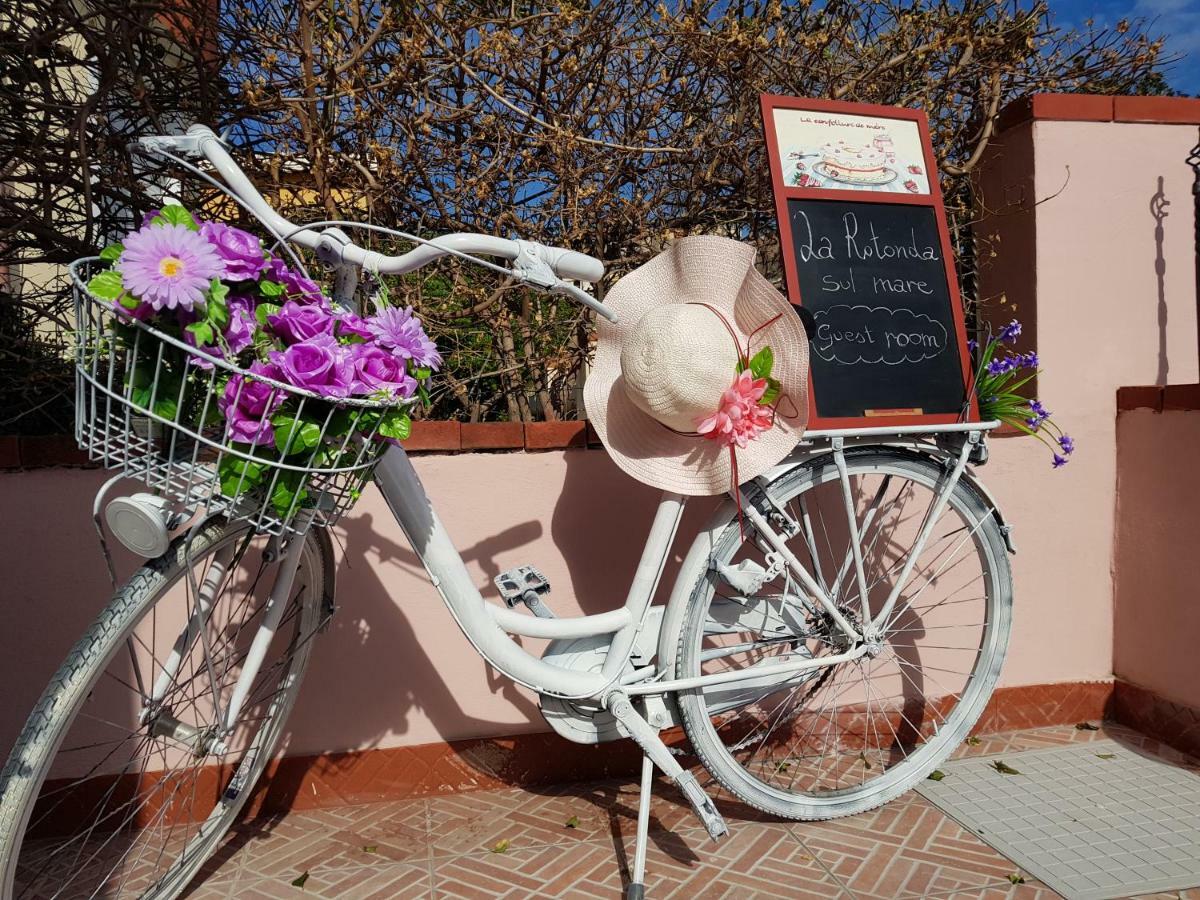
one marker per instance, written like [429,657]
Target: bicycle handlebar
[201,141]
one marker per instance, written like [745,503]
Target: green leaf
[269,288]
[112,252]
[762,362]
[174,214]
[1086,726]
[573,822]
[395,424]
[1106,756]
[264,310]
[166,407]
[422,373]
[1016,878]
[300,880]
[141,396]
[202,332]
[370,848]
[771,394]
[107,285]
[295,435]
[862,758]
[936,775]
[217,310]
[288,492]
[1004,768]
[973,741]
[501,846]
[128,301]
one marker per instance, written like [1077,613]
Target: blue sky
[1177,20]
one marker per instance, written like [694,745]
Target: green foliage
[112,252]
[106,285]
[294,436]
[173,214]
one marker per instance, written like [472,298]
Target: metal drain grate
[1093,821]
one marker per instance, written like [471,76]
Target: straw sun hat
[664,392]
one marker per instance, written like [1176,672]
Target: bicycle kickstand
[655,753]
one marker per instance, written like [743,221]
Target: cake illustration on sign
[856,163]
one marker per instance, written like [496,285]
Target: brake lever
[582,296]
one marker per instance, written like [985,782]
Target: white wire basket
[148,404]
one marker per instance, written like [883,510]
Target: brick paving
[446,846]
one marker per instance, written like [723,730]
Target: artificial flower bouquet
[260,363]
[999,376]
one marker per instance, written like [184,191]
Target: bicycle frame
[489,626]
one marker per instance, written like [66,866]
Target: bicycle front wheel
[844,738]
[121,783]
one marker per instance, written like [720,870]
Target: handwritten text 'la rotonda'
[864,248]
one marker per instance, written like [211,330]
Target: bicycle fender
[694,567]
[989,498]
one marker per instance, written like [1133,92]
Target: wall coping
[1159,397]
[1100,108]
[24,452]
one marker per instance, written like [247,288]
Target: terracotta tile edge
[1175,724]
[526,760]
[1126,109]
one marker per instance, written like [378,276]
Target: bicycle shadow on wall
[376,697]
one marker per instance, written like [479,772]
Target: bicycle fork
[211,740]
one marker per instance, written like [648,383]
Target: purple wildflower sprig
[1000,374]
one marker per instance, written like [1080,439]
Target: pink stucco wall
[1157,601]
[1081,269]
[393,669]
[1078,260]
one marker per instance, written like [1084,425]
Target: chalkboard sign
[874,278]
[867,255]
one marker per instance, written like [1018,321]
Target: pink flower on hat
[740,418]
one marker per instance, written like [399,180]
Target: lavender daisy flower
[169,266]
[1010,332]
[1067,443]
[1059,461]
[400,331]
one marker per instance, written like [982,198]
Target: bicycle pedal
[527,585]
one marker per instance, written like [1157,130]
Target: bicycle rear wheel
[848,737]
[110,793]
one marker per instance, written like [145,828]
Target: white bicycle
[821,660]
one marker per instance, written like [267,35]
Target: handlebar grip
[573,265]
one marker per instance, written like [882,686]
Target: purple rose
[247,405]
[348,324]
[295,322]
[239,333]
[241,251]
[320,365]
[294,284]
[377,370]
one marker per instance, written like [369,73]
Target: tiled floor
[447,847]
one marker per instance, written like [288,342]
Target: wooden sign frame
[932,199]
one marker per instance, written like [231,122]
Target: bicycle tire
[714,753]
[32,757]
